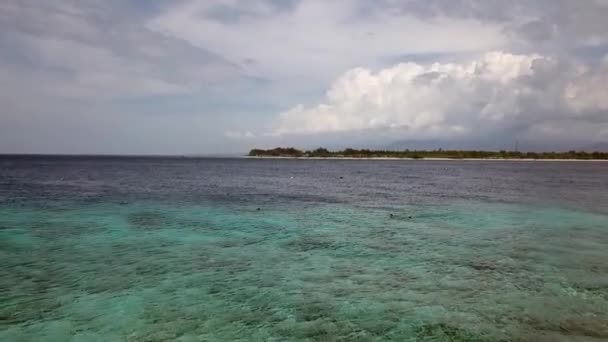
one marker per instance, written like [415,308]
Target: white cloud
[588,91]
[239,135]
[498,92]
[81,51]
[556,25]
[318,39]
[71,69]
[87,76]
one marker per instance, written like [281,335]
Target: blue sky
[222,76]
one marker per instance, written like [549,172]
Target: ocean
[195,249]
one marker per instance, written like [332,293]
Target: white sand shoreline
[432,159]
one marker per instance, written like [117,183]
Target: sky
[223,76]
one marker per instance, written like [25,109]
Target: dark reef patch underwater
[162,249]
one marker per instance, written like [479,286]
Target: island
[350,153]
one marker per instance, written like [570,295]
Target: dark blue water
[158,249]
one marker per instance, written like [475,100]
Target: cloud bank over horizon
[521,96]
[221,76]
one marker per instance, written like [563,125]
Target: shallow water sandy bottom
[148,271]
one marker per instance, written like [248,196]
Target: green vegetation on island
[291,152]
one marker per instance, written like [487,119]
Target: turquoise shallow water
[154,272]
[157,270]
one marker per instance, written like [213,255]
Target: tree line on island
[290,152]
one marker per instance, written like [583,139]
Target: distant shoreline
[429,159]
[437,155]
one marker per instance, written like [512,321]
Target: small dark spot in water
[147,220]
[483,266]
[447,332]
[314,310]
[215,289]
[305,244]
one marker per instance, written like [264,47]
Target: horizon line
[143,155]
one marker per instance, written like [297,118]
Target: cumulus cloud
[305,44]
[495,93]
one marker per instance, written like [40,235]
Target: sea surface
[187,249]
